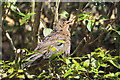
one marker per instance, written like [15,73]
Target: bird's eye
[62,22]
[61,30]
[59,44]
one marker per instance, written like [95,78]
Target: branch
[56,12]
[86,44]
[36,24]
[10,39]
[97,37]
[78,12]
[6,33]
[89,42]
[78,46]
[33,10]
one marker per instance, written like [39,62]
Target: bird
[59,39]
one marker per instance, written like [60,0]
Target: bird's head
[61,24]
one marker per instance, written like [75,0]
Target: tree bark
[36,24]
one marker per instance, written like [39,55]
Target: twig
[86,6]
[78,12]
[89,42]
[78,46]
[74,25]
[76,18]
[33,10]
[86,44]
[10,39]
[84,29]
[97,38]
[7,34]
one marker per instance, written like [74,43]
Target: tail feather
[33,58]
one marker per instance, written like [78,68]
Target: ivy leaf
[47,31]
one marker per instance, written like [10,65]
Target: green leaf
[11,76]
[36,52]
[117,73]
[20,70]
[109,75]
[72,66]
[118,32]
[80,15]
[22,14]
[77,65]
[30,76]
[59,59]
[76,58]
[67,61]
[1,62]
[95,63]
[115,30]
[64,14]
[102,53]
[21,76]
[26,17]
[48,49]
[10,70]
[104,65]
[25,49]
[30,53]
[26,60]
[68,73]
[75,62]
[86,63]
[40,75]
[115,63]
[80,19]
[47,31]
[82,69]
[89,25]
[13,8]
[54,55]
[101,72]
[12,1]
[75,77]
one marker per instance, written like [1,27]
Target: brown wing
[52,40]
